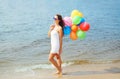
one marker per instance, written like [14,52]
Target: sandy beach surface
[84,71]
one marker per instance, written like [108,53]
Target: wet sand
[84,71]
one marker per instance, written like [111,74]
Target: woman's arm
[51,28]
[60,39]
[49,32]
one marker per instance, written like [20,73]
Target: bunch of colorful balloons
[75,25]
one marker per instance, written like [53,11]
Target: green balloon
[81,34]
[76,20]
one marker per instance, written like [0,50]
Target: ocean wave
[75,62]
[40,66]
[65,64]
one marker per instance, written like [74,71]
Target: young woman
[56,35]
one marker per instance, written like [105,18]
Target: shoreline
[78,71]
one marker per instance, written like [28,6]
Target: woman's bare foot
[58,72]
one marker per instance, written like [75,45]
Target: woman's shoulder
[60,28]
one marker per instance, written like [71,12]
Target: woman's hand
[52,27]
[60,51]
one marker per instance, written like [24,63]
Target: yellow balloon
[76,13]
[80,14]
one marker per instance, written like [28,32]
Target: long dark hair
[61,23]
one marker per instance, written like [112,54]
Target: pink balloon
[67,21]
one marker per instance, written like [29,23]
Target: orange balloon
[73,35]
[74,28]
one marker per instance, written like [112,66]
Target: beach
[78,71]
[25,46]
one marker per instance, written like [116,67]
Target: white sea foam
[40,66]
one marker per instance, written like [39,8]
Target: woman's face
[56,20]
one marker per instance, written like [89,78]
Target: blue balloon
[82,20]
[67,30]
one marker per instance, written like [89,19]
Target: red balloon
[84,26]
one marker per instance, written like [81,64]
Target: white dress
[55,44]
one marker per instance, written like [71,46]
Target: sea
[25,45]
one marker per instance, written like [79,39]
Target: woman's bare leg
[59,62]
[52,60]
